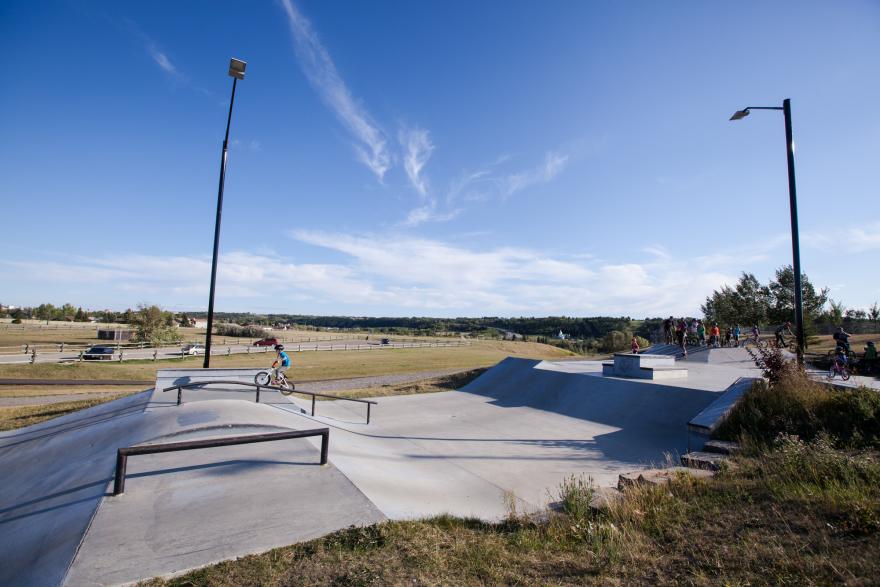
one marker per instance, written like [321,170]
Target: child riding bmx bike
[275,375]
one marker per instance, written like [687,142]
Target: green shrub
[801,407]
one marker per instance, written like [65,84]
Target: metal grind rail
[314,395]
[123,453]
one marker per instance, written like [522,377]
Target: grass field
[13,417]
[45,390]
[307,365]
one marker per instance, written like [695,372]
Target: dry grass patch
[20,416]
[49,390]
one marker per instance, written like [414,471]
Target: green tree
[746,303]
[782,299]
[68,311]
[45,312]
[835,311]
[152,325]
[874,312]
[80,316]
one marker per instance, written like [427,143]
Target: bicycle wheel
[285,387]
[844,374]
[262,378]
[830,374]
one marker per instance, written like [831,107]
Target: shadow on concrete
[230,467]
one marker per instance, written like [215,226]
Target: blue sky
[435,158]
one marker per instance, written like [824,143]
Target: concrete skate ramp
[180,510]
[511,436]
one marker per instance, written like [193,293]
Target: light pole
[236,71]
[792,200]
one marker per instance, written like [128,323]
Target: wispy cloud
[417,149]
[401,274]
[428,213]
[162,61]
[857,239]
[553,164]
[371,143]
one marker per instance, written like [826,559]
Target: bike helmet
[279,347]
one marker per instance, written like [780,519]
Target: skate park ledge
[638,366]
[703,425]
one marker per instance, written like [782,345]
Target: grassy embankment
[786,511]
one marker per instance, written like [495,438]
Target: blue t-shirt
[285,360]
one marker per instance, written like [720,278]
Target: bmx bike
[285,386]
[838,369]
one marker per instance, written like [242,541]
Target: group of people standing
[682,332]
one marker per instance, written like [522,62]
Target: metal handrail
[122,454]
[183,386]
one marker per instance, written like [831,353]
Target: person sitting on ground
[715,335]
[780,339]
[842,339]
[634,345]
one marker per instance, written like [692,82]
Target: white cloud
[392,274]
[371,143]
[162,61]
[427,213]
[417,148]
[553,164]
[856,239]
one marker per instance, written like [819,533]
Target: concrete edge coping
[715,413]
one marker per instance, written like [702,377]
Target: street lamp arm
[763,108]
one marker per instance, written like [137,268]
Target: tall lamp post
[792,199]
[236,71]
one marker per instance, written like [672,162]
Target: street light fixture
[236,71]
[792,200]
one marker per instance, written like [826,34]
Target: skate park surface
[505,440]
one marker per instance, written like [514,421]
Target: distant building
[200,323]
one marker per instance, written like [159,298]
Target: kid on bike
[780,340]
[281,357]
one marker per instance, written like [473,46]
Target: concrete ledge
[643,366]
[701,426]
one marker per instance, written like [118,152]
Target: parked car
[386,341]
[193,349]
[266,342]
[99,353]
